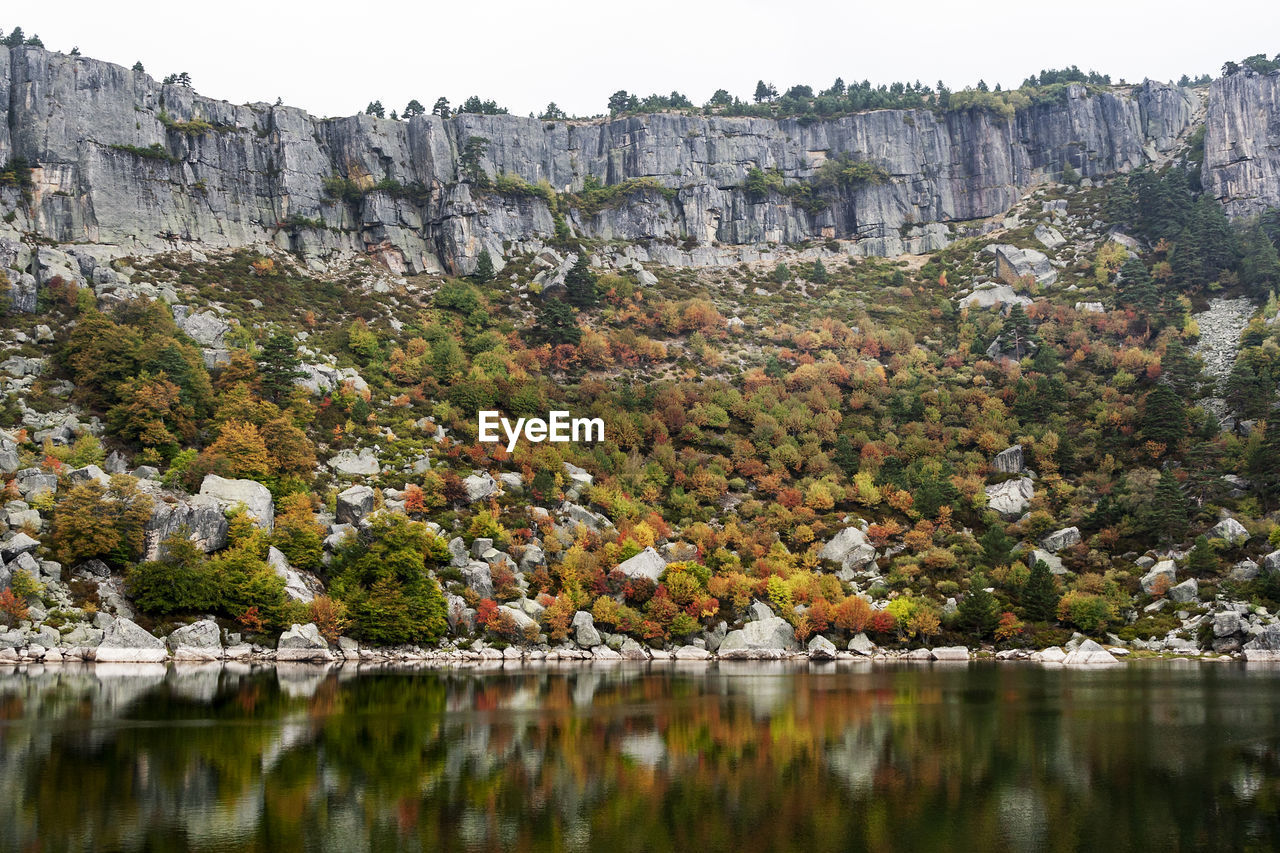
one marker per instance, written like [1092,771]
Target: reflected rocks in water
[737,756]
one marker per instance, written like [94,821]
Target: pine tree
[137,66]
[441,108]
[978,610]
[1202,560]
[1040,594]
[845,456]
[413,108]
[375,109]
[818,274]
[1179,368]
[1017,333]
[1264,461]
[1164,418]
[1138,291]
[484,267]
[557,324]
[1167,514]
[997,547]
[278,365]
[580,284]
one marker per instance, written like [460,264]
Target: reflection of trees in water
[745,756]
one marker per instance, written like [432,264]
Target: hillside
[896,380]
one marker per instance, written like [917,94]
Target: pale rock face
[1009,460]
[1242,143]
[1184,592]
[1011,498]
[584,630]
[254,496]
[350,463]
[774,633]
[354,504]
[295,585]
[198,641]
[1014,264]
[303,643]
[945,168]
[1089,653]
[820,648]
[951,653]
[480,486]
[990,295]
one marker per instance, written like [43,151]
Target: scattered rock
[253,496]
[303,643]
[354,504]
[198,641]
[647,564]
[1089,653]
[1163,573]
[1011,498]
[127,642]
[1060,539]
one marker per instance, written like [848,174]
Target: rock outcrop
[1242,142]
[127,161]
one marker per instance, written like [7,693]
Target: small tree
[279,365]
[137,66]
[556,324]
[414,108]
[484,267]
[818,273]
[978,610]
[781,273]
[441,108]
[375,108]
[580,284]
[1040,595]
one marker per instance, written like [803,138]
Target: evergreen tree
[15,38]
[1164,418]
[375,109]
[1260,264]
[137,66]
[1167,514]
[818,274]
[978,610]
[765,92]
[484,267]
[1017,333]
[1180,369]
[1202,560]
[1138,291]
[845,456]
[580,283]
[1264,460]
[278,365]
[413,108]
[1040,594]
[1246,392]
[556,324]
[441,108]
[997,547]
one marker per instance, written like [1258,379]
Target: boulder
[1230,530]
[820,648]
[1051,560]
[1011,498]
[480,486]
[990,295]
[1271,562]
[303,643]
[862,645]
[1014,264]
[647,564]
[20,544]
[579,479]
[87,473]
[1053,654]
[584,630]
[1049,237]
[354,504]
[1245,570]
[1091,307]
[1009,460]
[1184,592]
[691,653]
[849,548]
[1059,539]
[198,641]
[1226,623]
[253,496]
[1162,575]
[200,519]
[125,641]
[632,650]
[950,653]
[774,633]
[759,610]
[1089,653]
[349,463]
[1266,640]
[523,620]
[296,586]
[581,515]
[477,575]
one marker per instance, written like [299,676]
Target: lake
[641,757]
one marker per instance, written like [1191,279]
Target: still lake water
[735,757]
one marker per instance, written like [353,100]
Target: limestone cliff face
[1242,142]
[257,172]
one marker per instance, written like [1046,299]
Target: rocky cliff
[1242,142]
[130,163]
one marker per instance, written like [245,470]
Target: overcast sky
[333,58]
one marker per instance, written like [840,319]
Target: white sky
[333,58]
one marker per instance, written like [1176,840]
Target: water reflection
[743,757]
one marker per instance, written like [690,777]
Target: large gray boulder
[480,486]
[584,630]
[1089,653]
[991,294]
[647,564]
[253,496]
[296,586]
[198,641]
[820,648]
[199,518]
[1060,539]
[126,641]
[1014,264]
[861,644]
[349,463]
[1184,592]
[850,548]
[1009,460]
[1011,498]
[20,544]
[1162,574]
[774,633]
[354,504]
[1230,530]
[303,643]
[477,575]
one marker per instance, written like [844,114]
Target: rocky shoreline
[125,642]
